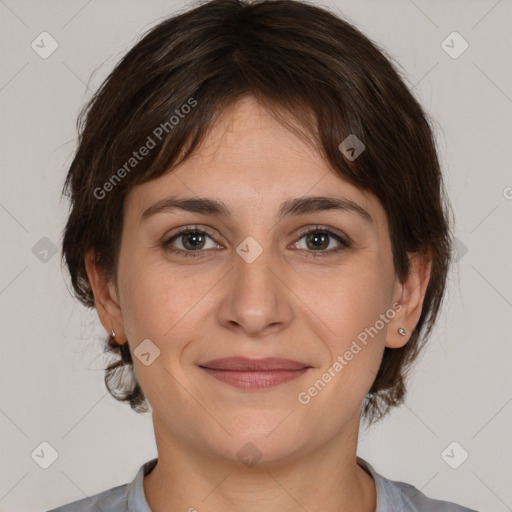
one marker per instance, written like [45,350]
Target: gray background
[51,379]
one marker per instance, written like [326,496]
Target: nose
[257,300]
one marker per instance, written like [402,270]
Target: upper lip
[247,364]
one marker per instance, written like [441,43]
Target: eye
[318,240]
[192,241]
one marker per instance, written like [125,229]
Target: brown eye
[319,240]
[192,241]
[189,242]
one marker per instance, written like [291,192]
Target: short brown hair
[294,58]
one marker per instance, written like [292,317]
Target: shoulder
[395,495]
[415,501]
[111,500]
[128,497]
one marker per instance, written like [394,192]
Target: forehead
[251,162]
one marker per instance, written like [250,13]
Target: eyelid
[318,227]
[190,228]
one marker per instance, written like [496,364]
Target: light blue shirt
[392,496]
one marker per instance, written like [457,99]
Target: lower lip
[255,379]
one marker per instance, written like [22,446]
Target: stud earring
[401,331]
[113,334]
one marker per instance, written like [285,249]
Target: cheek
[158,301]
[351,300]
[356,310]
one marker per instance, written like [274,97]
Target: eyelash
[200,253]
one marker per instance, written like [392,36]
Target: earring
[401,331]
[112,339]
[126,357]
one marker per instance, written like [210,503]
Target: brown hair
[294,58]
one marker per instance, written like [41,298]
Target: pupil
[196,239]
[322,237]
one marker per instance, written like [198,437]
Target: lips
[244,364]
[253,374]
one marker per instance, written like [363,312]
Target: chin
[259,439]
[251,451]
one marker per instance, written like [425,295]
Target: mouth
[245,373]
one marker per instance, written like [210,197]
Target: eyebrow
[292,207]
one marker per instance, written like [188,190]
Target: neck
[327,479]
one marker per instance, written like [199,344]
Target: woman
[258,217]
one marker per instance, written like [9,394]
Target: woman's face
[254,286]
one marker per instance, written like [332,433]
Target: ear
[410,295]
[105,298]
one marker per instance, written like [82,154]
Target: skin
[287,303]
